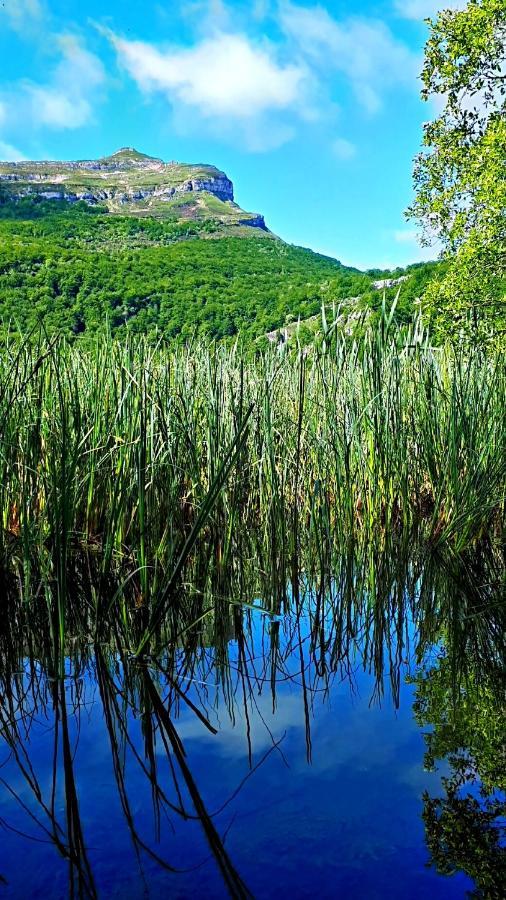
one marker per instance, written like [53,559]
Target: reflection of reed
[365,609]
[157,721]
[164,721]
[66,836]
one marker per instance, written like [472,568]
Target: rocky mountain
[130,183]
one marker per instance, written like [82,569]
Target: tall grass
[130,453]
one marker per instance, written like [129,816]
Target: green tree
[460,176]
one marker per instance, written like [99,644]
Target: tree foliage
[460,176]
[78,272]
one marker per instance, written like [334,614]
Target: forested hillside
[77,269]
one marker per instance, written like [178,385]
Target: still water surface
[290,765]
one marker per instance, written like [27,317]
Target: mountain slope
[76,271]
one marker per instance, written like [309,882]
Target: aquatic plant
[127,455]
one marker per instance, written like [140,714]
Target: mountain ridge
[128,182]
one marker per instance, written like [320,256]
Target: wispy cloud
[66,99]
[406,236]
[211,16]
[10,153]
[410,238]
[261,9]
[232,81]
[19,13]
[7,151]
[363,50]
[208,15]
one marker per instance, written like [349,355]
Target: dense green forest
[77,269]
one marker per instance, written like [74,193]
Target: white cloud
[7,151]
[225,75]
[232,85]
[343,149]
[425,9]
[58,109]
[364,50]
[230,81]
[65,101]
[256,90]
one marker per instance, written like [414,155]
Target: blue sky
[312,109]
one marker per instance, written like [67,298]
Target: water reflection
[274,746]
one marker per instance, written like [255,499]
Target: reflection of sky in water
[346,824]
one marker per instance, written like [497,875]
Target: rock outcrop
[253,221]
[388,282]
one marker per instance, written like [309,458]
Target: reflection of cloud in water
[420,779]
[348,730]
[365,738]
[345,735]
[231,738]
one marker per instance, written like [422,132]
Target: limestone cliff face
[220,186]
[121,176]
[130,182]
[26,186]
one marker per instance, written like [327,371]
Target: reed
[133,454]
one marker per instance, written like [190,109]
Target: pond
[330,747]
